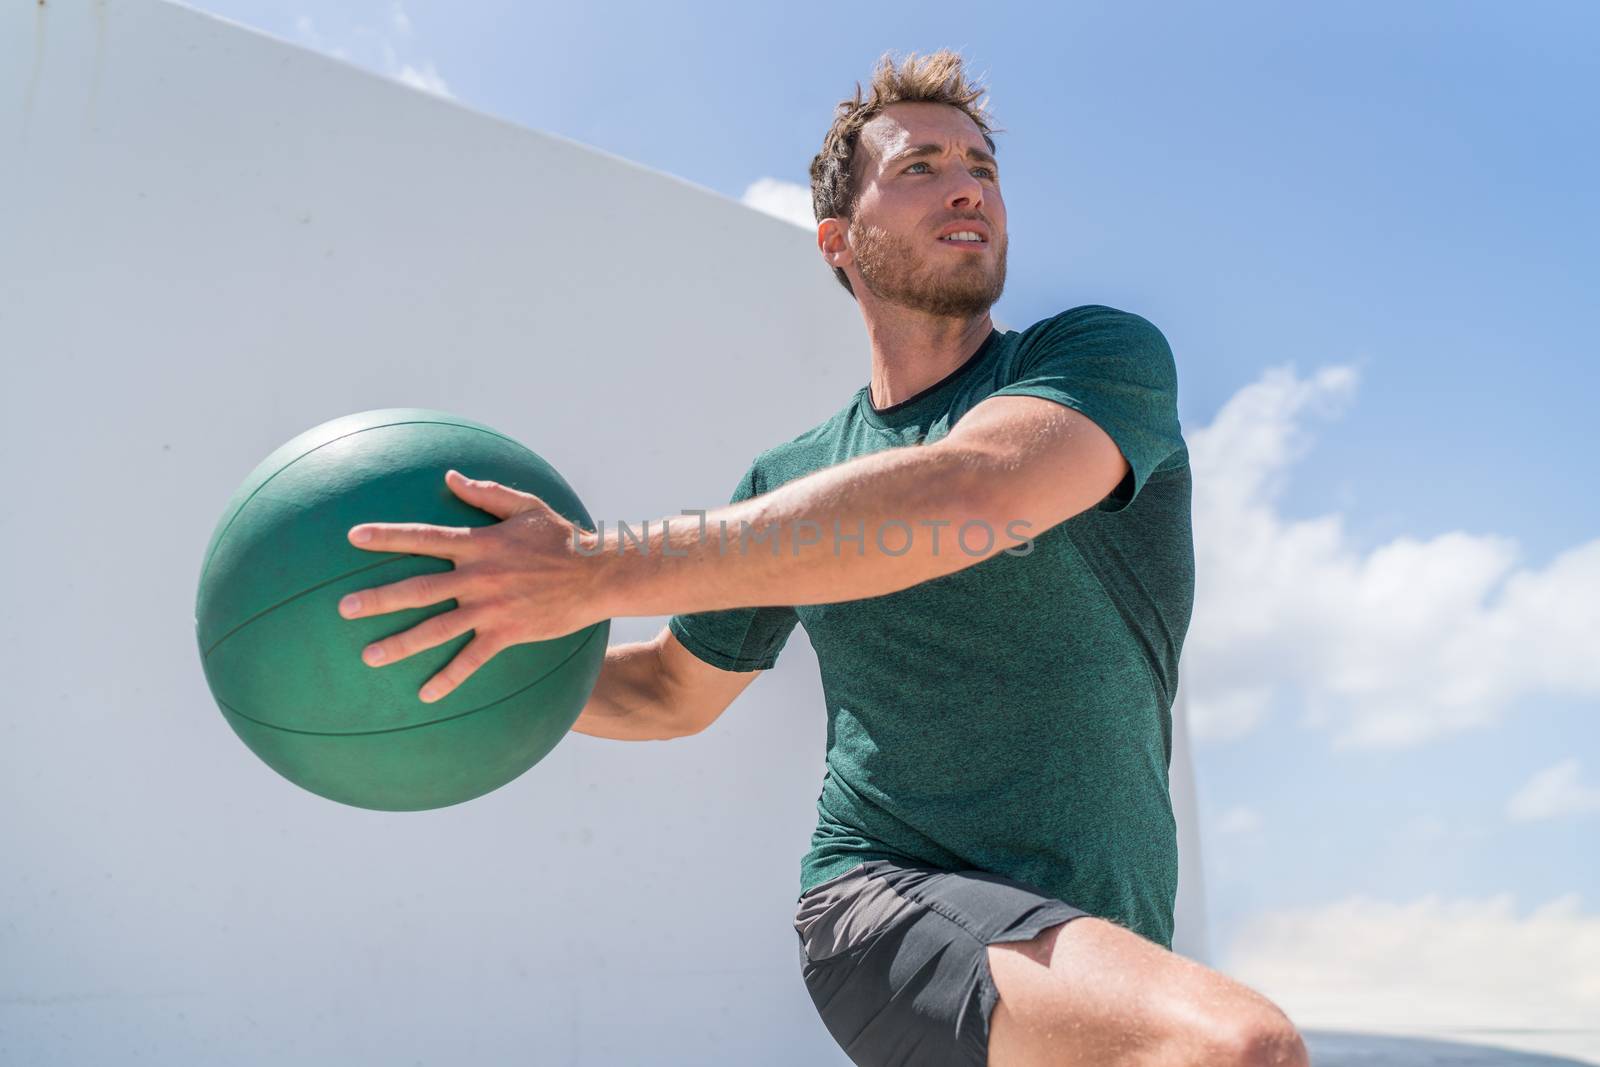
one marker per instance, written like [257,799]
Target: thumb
[501,501]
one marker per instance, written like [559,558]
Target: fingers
[501,501]
[417,592]
[446,542]
[479,650]
[427,634]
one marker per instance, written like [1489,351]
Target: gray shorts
[895,958]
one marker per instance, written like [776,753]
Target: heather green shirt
[1014,716]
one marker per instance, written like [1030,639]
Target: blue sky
[1368,231]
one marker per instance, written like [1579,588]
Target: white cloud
[1363,963]
[1239,820]
[378,52]
[307,29]
[1553,793]
[1431,832]
[1411,641]
[426,79]
[1227,713]
[782,200]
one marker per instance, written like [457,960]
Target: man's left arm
[1015,465]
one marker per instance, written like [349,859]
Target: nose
[966,192]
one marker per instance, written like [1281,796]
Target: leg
[894,959]
[1091,992]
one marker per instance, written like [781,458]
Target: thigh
[1096,992]
[895,959]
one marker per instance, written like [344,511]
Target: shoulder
[1095,321]
[1100,333]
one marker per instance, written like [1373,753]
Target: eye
[923,163]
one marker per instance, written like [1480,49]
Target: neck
[912,350]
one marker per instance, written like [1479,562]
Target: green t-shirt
[1014,716]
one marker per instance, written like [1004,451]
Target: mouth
[969,236]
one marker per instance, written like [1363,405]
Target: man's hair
[936,78]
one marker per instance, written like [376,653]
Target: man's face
[910,195]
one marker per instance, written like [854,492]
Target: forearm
[875,524]
[628,702]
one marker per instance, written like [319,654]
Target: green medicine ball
[285,667]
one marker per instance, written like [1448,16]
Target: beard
[898,271]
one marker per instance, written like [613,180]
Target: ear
[833,241]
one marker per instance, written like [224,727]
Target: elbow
[1020,499]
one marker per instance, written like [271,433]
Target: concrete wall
[209,241]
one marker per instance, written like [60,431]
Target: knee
[1266,1039]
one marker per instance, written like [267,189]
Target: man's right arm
[657,690]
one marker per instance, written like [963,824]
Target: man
[989,547]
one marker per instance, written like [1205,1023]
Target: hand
[521,579]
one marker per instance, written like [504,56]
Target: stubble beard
[895,271]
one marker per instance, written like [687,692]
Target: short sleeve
[737,639]
[1115,368]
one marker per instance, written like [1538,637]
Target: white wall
[210,241]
